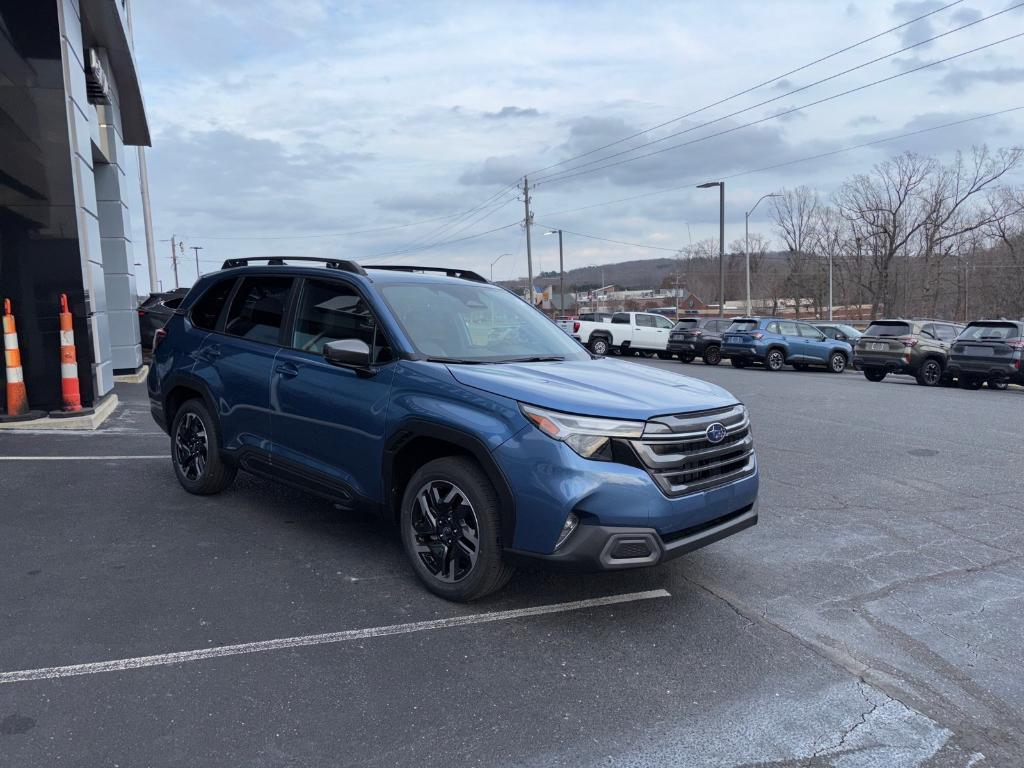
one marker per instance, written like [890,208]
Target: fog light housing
[571,522]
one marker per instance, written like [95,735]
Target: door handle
[211,353]
[287,369]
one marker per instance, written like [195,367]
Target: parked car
[918,348]
[988,351]
[694,337]
[451,407]
[566,323]
[840,332]
[774,343]
[627,333]
[154,313]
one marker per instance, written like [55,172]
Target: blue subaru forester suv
[774,342]
[453,408]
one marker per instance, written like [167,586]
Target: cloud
[919,30]
[864,120]
[494,170]
[966,15]
[961,80]
[506,112]
[785,84]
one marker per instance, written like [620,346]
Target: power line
[456,221]
[619,242]
[569,175]
[438,245]
[780,96]
[690,184]
[750,89]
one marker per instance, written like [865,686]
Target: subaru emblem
[715,433]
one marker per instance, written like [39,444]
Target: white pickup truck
[627,332]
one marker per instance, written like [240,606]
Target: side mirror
[842,337]
[353,353]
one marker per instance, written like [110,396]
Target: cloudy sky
[309,127]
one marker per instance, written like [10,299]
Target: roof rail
[463,274]
[279,261]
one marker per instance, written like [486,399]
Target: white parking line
[83,458]
[181,657]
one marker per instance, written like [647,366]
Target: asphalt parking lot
[873,617]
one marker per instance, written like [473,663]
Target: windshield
[989,332]
[740,326]
[474,323]
[888,329]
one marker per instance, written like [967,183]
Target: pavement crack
[846,733]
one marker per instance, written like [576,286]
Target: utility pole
[746,246]
[197,249]
[147,218]
[561,277]
[174,260]
[528,222]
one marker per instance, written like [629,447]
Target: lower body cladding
[748,354]
[624,518]
[887,364]
[989,370]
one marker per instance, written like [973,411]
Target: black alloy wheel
[775,360]
[712,355]
[451,529]
[837,362]
[930,373]
[874,374]
[195,450]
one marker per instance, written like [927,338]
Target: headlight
[587,435]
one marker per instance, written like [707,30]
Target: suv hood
[602,387]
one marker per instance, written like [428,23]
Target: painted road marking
[83,458]
[182,657]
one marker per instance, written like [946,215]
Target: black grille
[630,550]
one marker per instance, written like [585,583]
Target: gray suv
[918,348]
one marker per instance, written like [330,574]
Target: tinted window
[787,328]
[809,332]
[207,310]
[945,332]
[990,332]
[645,320]
[743,325]
[258,308]
[772,328]
[621,318]
[329,311]
[929,331]
[175,303]
[683,325]
[888,328]
[717,326]
[829,331]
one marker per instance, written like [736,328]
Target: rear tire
[930,373]
[837,362]
[195,450]
[874,374]
[599,346]
[712,355]
[454,544]
[775,360]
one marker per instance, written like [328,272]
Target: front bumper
[605,547]
[613,501]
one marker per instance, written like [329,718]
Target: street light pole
[561,271]
[721,241]
[197,249]
[746,246]
[495,262]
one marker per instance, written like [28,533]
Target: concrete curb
[133,378]
[89,421]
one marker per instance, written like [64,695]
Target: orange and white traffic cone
[69,390]
[17,397]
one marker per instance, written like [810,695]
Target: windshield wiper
[455,361]
[537,359]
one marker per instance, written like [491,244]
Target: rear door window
[257,310]
[810,332]
[888,328]
[621,318]
[787,328]
[208,309]
[772,328]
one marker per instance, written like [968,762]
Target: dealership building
[70,106]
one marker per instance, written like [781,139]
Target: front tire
[837,362]
[451,530]
[195,451]
[599,346]
[775,360]
[712,355]
[930,373]
[874,374]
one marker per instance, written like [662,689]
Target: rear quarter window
[206,311]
